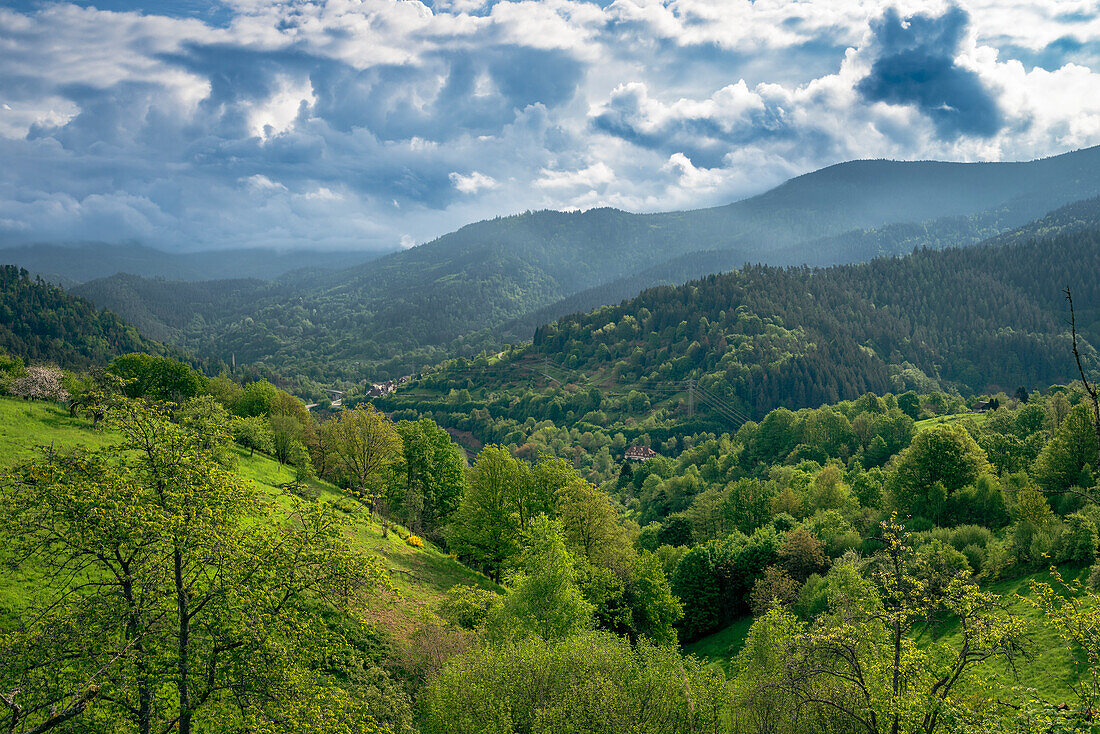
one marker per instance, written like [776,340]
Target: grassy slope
[722,646]
[25,426]
[976,418]
[1048,667]
[420,575]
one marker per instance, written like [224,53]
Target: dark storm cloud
[915,65]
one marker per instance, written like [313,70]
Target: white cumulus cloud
[473,182]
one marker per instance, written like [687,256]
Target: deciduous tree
[545,600]
[366,444]
[174,588]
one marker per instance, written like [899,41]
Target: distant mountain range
[496,280]
[69,265]
[977,320]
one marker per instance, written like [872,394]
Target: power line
[721,411]
[729,406]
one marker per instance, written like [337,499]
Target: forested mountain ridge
[454,296]
[991,317]
[849,247]
[977,320]
[854,246]
[40,322]
[168,309]
[565,253]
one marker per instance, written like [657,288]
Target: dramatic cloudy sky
[379,123]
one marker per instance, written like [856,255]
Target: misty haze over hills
[498,279]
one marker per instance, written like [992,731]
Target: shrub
[649,537]
[975,556]
[830,527]
[783,522]
[802,554]
[574,685]
[982,502]
[776,585]
[966,535]
[813,597]
[997,560]
[937,564]
[669,556]
[415,541]
[1078,542]
[468,606]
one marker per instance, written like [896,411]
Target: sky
[379,124]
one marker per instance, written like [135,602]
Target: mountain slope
[569,252]
[421,576]
[990,317]
[42,323]
[454,295]
[168,309]
[977,319]
[855,246]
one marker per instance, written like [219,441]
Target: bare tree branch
[1089,387]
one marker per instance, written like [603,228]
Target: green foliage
[909,403]
[713,581]
[157,378]
[190,601]
[591,524]
[430,476]
[486,528]
[802,554]
[775,587]
[587,682]
[225,391]
[365,445]
[1079,541]
[286,436]
[1034,533]
[1071,449]
[764,708]
[981,503]
[1077,622]
[468,606]
[859,662]
[655,610]
[696,583]
[254,433]
[39,322]
[937,463]
[258,398]
[545,600]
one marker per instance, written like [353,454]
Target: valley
[494,282]
[810,476]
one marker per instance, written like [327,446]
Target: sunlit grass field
[1047,665]
[420,576]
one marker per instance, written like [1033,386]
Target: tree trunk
[183,647]
[133,632]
